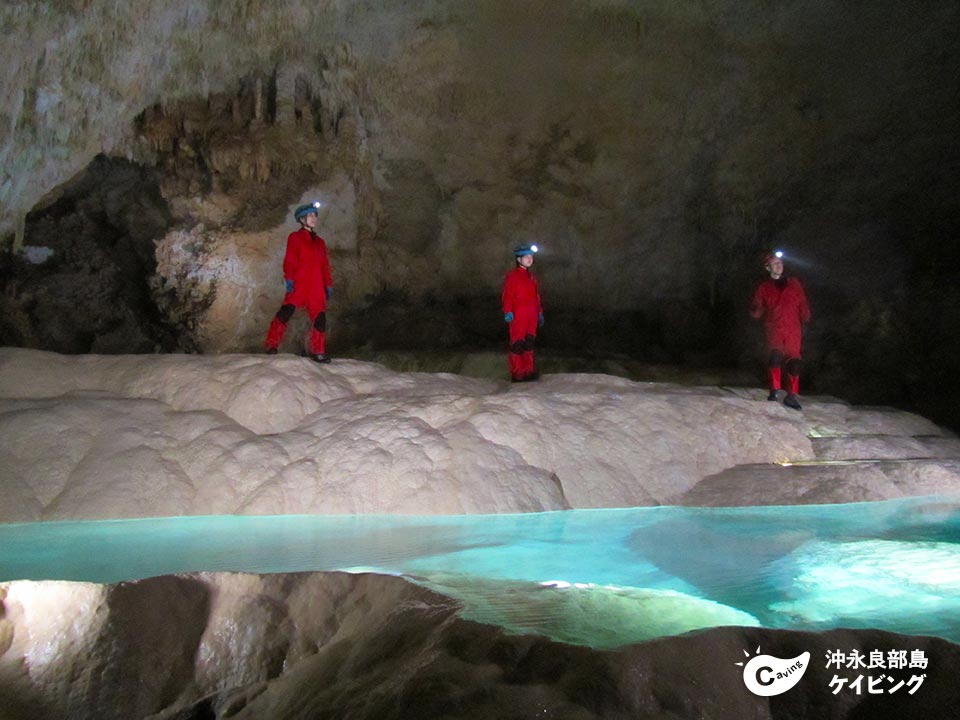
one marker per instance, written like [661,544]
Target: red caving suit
[306,263]
[783,306]
[521,296]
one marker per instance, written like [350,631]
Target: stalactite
[258,99]
[20,231]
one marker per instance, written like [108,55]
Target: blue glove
[508,317]
[329,293]
[540,320]
[289,284]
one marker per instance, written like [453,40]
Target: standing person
[522,309]
[306,272]
[782,303]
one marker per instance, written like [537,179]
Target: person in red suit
[306,272]
[782,303]
[523,311]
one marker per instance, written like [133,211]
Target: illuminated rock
[867,582]
[137,436]
[159,435]
[368,647]
[598,616]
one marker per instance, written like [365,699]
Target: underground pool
[594,577]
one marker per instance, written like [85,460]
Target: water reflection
[597,577]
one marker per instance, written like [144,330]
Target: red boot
[275,335]
[317,346]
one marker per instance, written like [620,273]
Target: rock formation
[150,157]
[93,437]
[653,149]
[365,646]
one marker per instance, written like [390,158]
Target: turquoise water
[596,577]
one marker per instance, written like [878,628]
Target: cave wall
[82,284]
[653,149]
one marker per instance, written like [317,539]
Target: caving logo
[767,675]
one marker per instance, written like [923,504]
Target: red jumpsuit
[521,296]
[306,264]
[783,305]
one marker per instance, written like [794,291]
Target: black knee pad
[776,358]
[285,313]
[793,366]
[528,342]
[320,322]
[518,348]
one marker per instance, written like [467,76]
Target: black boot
[773,396]
[792,402]
[320,358]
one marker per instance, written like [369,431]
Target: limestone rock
[366,646]
[93,437]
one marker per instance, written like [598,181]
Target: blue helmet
[521,250]
[304,210]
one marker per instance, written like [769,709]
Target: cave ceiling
[652,148]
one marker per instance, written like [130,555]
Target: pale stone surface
[367,646]
[91,437]
[819,483]
[169,435]
[602,617]
[853,447]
